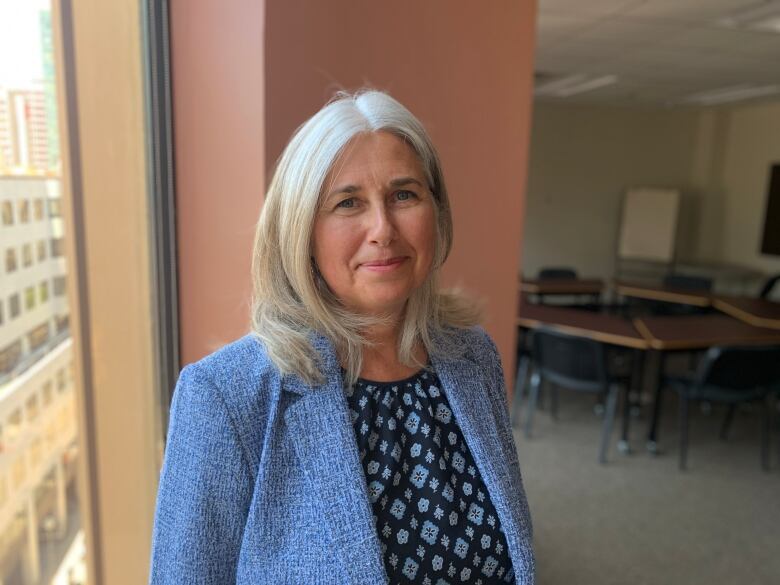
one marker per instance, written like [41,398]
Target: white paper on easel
[648,226]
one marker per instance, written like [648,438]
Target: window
[9,355]
[41,250]
[59,286]
[8,213]
[38,336]
[56,247]
[27,255]
[14,426]
[43,291]
[61,322]
[61,380]
[32,408]
[10,259]
[24,211]
[14,306]
[47,393]
[38,209]
[29,298]
[54,208]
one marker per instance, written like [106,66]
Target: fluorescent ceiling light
[731,94]
[574,84]
[761,16]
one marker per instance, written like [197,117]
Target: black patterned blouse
[433,513]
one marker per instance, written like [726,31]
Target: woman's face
[374,234]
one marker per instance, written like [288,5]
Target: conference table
[655,336]
[562,286]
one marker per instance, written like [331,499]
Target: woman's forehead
[374,157]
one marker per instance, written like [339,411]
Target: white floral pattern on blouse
[433,514]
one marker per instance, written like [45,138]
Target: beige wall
[583,158]
[465,72]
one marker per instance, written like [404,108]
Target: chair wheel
[624,447]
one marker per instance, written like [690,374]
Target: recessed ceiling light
[574,84]
[730,94]
[763,16]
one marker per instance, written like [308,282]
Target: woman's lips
[384,265]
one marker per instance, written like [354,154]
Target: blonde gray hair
[291,300]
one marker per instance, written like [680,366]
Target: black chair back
[687,282]
[573,362]
[740,368]
[768,286]
[557,274]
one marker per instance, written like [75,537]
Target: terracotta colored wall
[465,70]
[218,87]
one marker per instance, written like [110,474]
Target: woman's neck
[381,361]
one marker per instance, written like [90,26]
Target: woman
[360,433]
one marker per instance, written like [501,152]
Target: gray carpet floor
[639,520]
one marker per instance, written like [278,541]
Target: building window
[29,298]
[59,286]
[14,306]
[38,336]
[43,291]
[27,255]
[61,379]
[54,208]
[41,250]
[9,355]
[38,209]
[24,211]
[32,408]
[8,213]
[56,247]
[61,322]
[10,259]
[47,393]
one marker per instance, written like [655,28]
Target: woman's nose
[382,230]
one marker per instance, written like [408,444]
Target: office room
[654,195]
[565,212]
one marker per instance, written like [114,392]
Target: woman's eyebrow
[394,183]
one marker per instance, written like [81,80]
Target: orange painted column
[217,68]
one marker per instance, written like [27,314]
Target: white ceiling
[661,51]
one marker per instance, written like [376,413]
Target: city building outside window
[41,250]
[8,213]
[14,306]
[10,259]
[24,211]
[27,255]
[38,209]
[29,298]
[44,291]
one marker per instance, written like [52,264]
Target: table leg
[652,438]
[624,446]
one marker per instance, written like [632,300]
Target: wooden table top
[554,286]
[597,326]
[757,312]
[663,293]
[701,332]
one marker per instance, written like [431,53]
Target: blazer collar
[324,441]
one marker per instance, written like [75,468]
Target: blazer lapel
[325,444]
[465,385]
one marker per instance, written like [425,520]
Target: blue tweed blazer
[262,481]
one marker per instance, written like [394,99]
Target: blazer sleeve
[205,489]
[498,400]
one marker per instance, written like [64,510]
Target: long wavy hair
[291,300]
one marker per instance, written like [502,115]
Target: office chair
[730,375]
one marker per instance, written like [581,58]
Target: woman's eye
[405,195]
[346,203]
